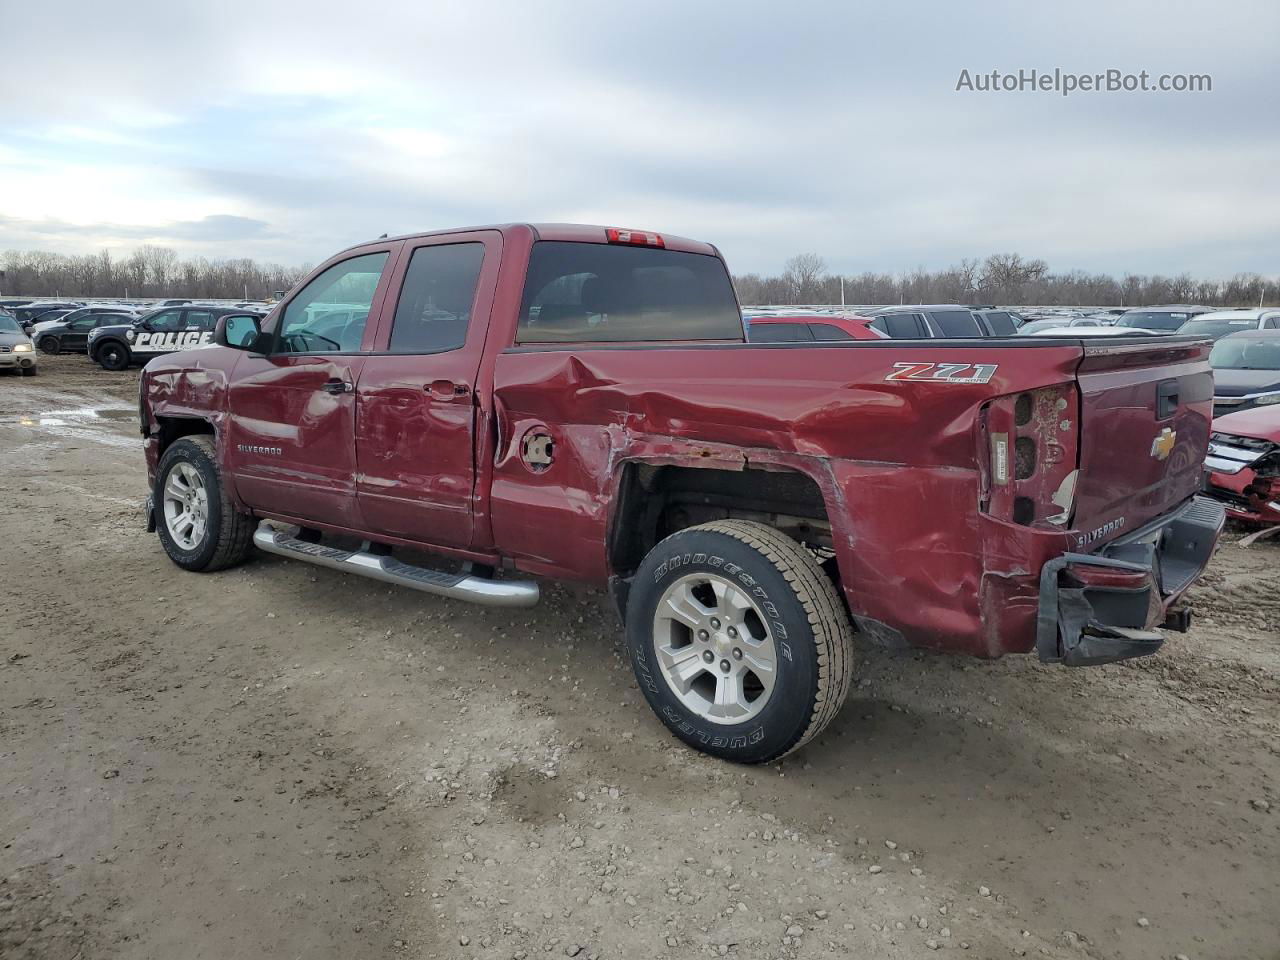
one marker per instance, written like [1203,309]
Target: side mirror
[237,332]
[144,325]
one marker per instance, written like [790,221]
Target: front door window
[329,314]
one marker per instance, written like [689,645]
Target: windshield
[9,325]
[1246,353]
[1035,325]
[1216,328]
[1153,319]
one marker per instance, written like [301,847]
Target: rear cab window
[591,292]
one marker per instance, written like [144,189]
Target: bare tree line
[149,271]
[1005,278]
[1008,278]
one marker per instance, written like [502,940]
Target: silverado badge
[1162,445]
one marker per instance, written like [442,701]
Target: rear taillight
[637,238]
[1108,578]
[1031,441]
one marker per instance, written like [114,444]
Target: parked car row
[112,335]
[34,315]
[908,322]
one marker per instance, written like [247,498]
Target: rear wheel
[49,345]
[198,526]
[112,355]
[738,640]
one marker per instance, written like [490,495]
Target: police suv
[166,330]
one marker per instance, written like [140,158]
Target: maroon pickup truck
[578,403]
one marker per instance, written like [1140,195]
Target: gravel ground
[285,761]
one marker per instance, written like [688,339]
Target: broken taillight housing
[1032,444]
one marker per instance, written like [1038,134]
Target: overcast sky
[285,131]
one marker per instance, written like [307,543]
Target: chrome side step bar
[459,586]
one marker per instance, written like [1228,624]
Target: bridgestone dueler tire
[228,537]
[113,356]
[810,626]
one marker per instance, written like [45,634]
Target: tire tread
[235,531]
[828,621]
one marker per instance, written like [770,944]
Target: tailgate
[1145,414]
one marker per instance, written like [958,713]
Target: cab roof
[575,232]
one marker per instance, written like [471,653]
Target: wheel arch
[174,428]
[653,499]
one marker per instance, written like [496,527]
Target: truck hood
[1239,383]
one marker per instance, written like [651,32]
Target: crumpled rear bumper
[1103,607]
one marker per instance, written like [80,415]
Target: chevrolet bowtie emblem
[1162,445]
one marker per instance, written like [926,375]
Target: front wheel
[198,525]
[50,345]
[112,356]
[739,640]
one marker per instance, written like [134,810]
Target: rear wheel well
[175,428]
[656,501]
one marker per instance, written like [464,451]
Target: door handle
[1166,399]
[336,386]
[447,390]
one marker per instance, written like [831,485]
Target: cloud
[767,129]
[214,229]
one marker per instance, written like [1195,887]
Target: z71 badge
[944,372]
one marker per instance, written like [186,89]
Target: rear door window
[779,332]
[904,326]
[825,331]
[1001,323]
[436,299]
[956,323]
[199,319]
[169,320]
[577,292]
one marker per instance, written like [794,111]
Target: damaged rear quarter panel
[897,462]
